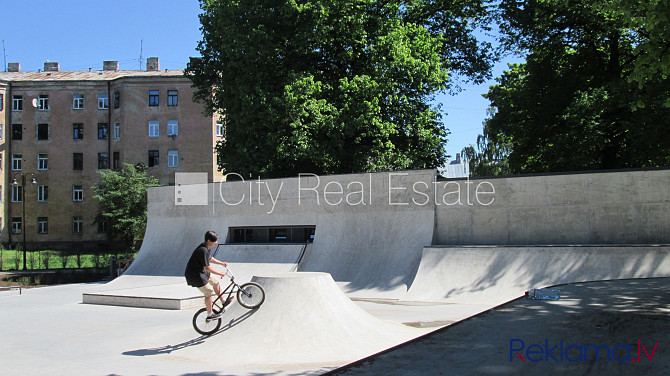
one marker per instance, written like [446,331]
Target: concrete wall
[360,238]
[371,229]
[630,207]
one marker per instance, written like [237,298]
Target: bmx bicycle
[250,295]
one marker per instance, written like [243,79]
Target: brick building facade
[58,129]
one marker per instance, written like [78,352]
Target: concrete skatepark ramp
[382,237]
[489,274]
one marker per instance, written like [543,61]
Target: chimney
[51,66]
[14,67]
[458,157]
[152,64]
[110,65]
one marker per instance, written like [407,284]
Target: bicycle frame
[218,305]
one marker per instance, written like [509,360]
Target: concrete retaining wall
[630,207]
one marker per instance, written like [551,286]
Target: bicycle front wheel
[204,326]
[250,295]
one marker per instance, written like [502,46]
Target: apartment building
[59,128]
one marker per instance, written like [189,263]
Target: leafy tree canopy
[581,100]
[122,197]
[333,86]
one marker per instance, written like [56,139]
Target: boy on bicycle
[201,275]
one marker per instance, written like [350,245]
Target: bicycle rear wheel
[204,326]
[250,295]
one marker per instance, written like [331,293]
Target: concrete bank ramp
[496,274]
[305,319]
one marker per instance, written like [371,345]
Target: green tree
[122,197]
[573,105]
[333,86]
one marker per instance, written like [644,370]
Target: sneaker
[214,316]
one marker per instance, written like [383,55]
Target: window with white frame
[117,131]
[219,129]
[154,128]
[16,225]
[173,158]
[2,128]
[42,161]
[43,102]
[42,193]
[78,101]
[173,127]
[42,225]
[77,225]
[17,103]
[17,162]
[77,193]
[103,101]
[17,193]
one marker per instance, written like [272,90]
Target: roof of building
[103,75]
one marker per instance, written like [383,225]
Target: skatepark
[384,261]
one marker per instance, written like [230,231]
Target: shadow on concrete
[167,349]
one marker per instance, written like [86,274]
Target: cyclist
[200,274]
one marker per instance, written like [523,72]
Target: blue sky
[82,34]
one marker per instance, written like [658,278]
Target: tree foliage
[122,197]
[333,86]
[581,100]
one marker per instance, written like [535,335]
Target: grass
[13,259]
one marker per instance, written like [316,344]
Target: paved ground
[49,331]
[616,314]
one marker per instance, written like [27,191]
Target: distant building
[458,168]
[58,129]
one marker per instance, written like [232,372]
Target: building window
[173,158]
[78,131]
[102,131]
[103,161]
[103,101]
[153,98]
[42,132]
[173,127]
[78,102]
[219,129]
[2,102]
[153,158]
[43,102]
[77,193]
[116,165]
[154,128]
[17,162]
[17,193]
[78,161]
[77,225]
[173,98]
[42,225]
[117,99]
[17,132]
[42,161]
[17,103]
[102,226]
[16,225]
[117,131]
[2,128]
[42,193]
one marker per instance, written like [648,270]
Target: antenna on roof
[141,48]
